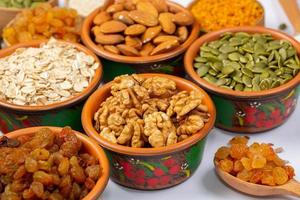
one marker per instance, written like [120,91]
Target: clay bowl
[247,112]
[158,63]
[89,146]
[259,22]
[150,168]
[7,14]
[65,113]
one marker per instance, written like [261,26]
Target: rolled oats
[51,73]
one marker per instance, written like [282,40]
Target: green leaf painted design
[194,154]
[224,106]
[159,165]
[241,121]
[148,165]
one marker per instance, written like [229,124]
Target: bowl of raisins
[51,163]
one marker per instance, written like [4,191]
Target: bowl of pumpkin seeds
[251,73]
[10,8]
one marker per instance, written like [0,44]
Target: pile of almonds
[141,27]
[51,73]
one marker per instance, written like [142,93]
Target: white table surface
[204,184]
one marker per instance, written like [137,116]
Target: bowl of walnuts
[153,127]
[145,34]
[51,163]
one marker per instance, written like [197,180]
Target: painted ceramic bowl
[7,14]
[247,112]
[150,168]
[66,113]
[162,63]
[89,145]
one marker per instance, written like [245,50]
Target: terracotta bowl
[89,146]
[259,22]
[158,63]
[247,112]
[7,14]
[65,113]
[150,168]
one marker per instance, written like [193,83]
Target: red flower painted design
[158,172]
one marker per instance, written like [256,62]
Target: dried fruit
[257,163]
[63,178]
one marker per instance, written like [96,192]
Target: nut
[165,47]
[146,6]
[183,33]
[164,38]
[183,19]
[147,49]
[134,42]
[109,39]
[111,49]
[101,18]
[112,26]
[166,22]
[151,33]
[135,29]
[160,5]
[143,18]
[115,8]
[128,50]
[123,16]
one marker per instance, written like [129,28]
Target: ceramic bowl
[150,168]
[247,112]
[89,145]
[158,63]
[259,22]
[66,113]
[7,14]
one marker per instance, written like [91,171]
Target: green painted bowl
[66,113]
[150,168]
[247,112]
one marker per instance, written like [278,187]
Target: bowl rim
[92,145]
[52,2]
[86,31]
[87,122]
[194,50]
[70,101]
[259,22]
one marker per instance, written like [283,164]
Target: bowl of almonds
[153,127]
[145,34]
[252,74]
[9,9]
[45,83]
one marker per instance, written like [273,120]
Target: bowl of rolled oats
[153,127]
[45,83]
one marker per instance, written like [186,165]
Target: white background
[204,184]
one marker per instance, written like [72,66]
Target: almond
[123,16]
[135,29]
[134,42]
[183,33]
[165,47]
[146,6]
[109,39]
[160,5]
[143,18]
[127,50]
[183,19]
[129,5]
[101,17]
[166,22]
[151,33]
[115,8]
[111,49]
[146,49]
[164,38]
[112,26]
[96,30]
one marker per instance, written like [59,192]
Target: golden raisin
[280,175]
[222,153]
[226,165]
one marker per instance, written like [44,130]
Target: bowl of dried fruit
[251,73]
[51,163]
[9,9]
[43,22]
[44,83]
[148,35]
[152,126]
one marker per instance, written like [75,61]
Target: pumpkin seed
[247,62]
[202,71]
